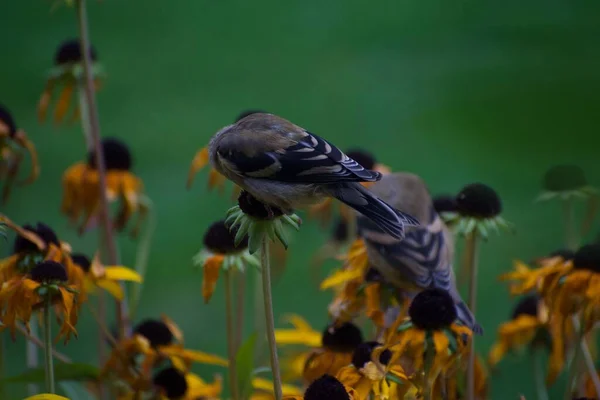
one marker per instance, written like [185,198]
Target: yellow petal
[341,276]
[120,273]
[112,287]
[194,355]
[290,336]
[298,322]
[267,386]
[200,160]
[177,333]
[46,396]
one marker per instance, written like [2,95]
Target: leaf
[244,365]
[76,390]
[62,372]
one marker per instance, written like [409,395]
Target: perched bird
[287,167]
[423,259]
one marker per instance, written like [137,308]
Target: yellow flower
[12,140]
[65,75]
[221,252]
[328,353]
[104,277]
[525,279]
[45,283]
[81,192]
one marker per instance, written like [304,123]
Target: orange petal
[64,101]
[200,160]
[212,266]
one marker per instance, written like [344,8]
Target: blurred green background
[456,92]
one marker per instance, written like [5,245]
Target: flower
[527,326]
[565,182]
[330,351]
[325,387]
[81,192]
[46,283]
[104,277]
[374,371]
[323,211]
[431,336]
[12,140]
[221,251]
[152,342]
[67,73]
[171,383]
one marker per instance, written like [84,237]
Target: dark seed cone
[342,339]
[70,52]
[362,354]
[432,309]
[244,114]
[340,231]
[528,305]
[561,178]
[479,201]
[565,254]
[116,155]
[157,332]
[82,261]
[373,275]
[219,239]
[254,208]
[363,157]
[588,257]
[326,388]
[172,382]
[22,245]
[445,203]
[7,118]
[48,271]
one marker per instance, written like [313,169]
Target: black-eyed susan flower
[12,142]
[432,336]
[106,277]
[222,252]
[65,78]
[152,342]
[81,191]
[565,182]
[325,387]
[328,352]
[374,372]
[45,285]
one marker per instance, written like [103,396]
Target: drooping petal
[121,273]
[341,276]
[63,103]
[112,287]
[193,355]
[211,267]
[200,161]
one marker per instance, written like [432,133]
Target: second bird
[287,167]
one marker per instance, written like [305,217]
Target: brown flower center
[172,382]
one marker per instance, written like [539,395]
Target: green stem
[571,239]
[259,318]
[471,251]
[539,374]
[428,362]
[270,320]
[239,312]
[49,367]
[587,358]
[575,362]
[231,350]
[2,372]
[32,354]
[142,256]
[84,116]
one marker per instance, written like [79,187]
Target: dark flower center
[562,178]
[364,158]
[48,271]
[256,209]
[565,254]
[82,261]
[172,382]
[588,257]
[445,203]
[342,339]
[116,155]
[219,239]
[244,114]
[22,245]
[70,52]
[157,332]
[340,231]
[326,388]
[362,354]
[6,117]
[479,201]
[432,309]
[528,305]
[373,275]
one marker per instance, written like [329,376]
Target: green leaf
[62,372]
[255,236]
[76,390]
[244,366]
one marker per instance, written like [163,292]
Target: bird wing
[305,159]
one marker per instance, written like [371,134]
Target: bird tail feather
[467,318]
[385,216]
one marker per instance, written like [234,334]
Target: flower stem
[539,374]
[32,356]
[571,239]
[270,320]
[231,348]
[471,253]
[259,317]
[49,367]
[2,355]
[575,361]
[239,312]
[94,130]
[587,357]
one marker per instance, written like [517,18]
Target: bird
[286,167]
[423,259]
